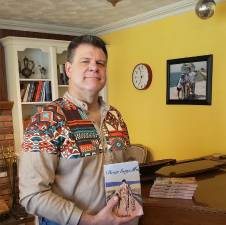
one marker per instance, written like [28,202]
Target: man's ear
[68,69]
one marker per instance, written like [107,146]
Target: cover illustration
[123,180]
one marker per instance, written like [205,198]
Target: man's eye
[84,61]
[101,63]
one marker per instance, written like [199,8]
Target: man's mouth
[92,77]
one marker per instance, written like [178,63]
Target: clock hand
[140,79]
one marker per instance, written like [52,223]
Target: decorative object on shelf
[3,165]
[205,8]
[63,78]
[28,67]
[142,76]
[10,159]
[42,71]
[189,80]
[16,210]
[114,2]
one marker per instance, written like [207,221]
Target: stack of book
[36,91]
[182,188]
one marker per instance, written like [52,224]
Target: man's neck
[93,107]
[90,99]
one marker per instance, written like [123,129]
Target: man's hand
[106,216]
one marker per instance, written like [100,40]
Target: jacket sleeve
[37,166]
[116,136]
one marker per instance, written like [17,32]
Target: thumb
[112,202]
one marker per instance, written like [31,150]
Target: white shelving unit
[49,54]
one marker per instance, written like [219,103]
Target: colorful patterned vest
[63,128]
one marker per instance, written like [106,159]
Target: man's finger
[112,202]
[126,219]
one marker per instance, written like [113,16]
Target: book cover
[123,180]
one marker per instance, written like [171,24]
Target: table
[208,206]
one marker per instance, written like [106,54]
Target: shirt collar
[104,106]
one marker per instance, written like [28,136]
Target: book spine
[48,94]
[31,92]
[25,98]
[38,92]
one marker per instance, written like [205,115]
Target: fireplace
[6,135]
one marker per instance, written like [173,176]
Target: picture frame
[189,80]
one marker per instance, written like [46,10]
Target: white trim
[43,28]
[165,11]
[152,15]
[22,42]
[172,9]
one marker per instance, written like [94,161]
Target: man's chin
[96,86]
[94,89]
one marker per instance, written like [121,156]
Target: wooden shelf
[34,103]
[63,85]
[33,79]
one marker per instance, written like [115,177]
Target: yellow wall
[171,131]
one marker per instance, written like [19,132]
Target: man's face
[87,72]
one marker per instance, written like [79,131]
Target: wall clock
[142,76]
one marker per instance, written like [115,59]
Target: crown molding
[39,27]
[169,10]
[143,18]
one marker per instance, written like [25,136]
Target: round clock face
[142,76]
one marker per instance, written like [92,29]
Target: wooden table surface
[208,206]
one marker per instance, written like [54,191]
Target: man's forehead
[89,50]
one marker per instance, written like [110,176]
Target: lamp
[205,8]
[114,2]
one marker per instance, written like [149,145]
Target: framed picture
[189,80]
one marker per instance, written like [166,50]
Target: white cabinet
[35,76]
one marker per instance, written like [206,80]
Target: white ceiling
[83,16]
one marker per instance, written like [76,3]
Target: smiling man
[68,142]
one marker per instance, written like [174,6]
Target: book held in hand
[123,180]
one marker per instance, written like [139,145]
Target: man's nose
[93,66]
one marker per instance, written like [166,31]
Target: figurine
[29,65]
[43,71]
